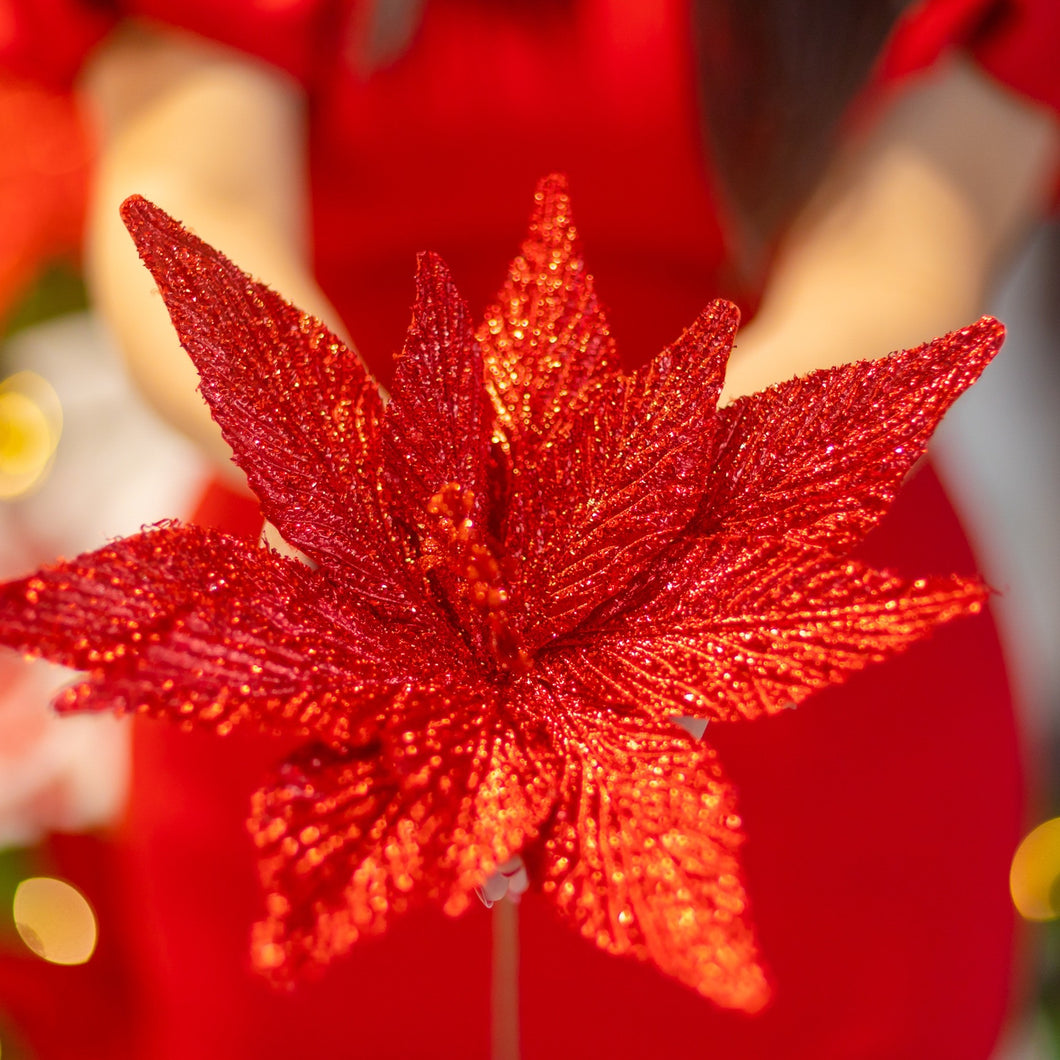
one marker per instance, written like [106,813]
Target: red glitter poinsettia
[527,565]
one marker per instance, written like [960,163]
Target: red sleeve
[302,37]
[47,40]
[1018,44]
[1014,41]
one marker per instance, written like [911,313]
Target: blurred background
[999,454]
[83,459]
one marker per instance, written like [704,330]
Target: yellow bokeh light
[30,426]
[55,920]
[1034,878]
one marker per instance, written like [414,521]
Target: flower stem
[505,985]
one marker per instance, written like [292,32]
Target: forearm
[906,232]
[218,141]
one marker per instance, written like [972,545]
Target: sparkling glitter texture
[527,565]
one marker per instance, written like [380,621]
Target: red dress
[880,816]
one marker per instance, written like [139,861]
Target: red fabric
[299,36]
[443,147]
[1014,41]
[1018,47]
[225,508]
[881,816]
[926,30]
[47,40]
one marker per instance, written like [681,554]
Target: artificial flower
[524,568]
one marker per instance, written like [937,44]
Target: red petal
[296,406]
[350,839]
[546,343]
[641,857]
[820,458]
[439,419]
[625,480]
[457,552]
[763,633]
[188,623]
[438,428]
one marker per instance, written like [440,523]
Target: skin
[209,135]
[919,211]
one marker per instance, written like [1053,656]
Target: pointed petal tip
[137,211]
[986,335]
[133,206]
[712,334]
[755,995]
[959,356]
[722,314]
[743,987]
[727,307]
[430,262]
[552,184]
[154,231]
[434,283]
[989,331]
[551,219]
[988,324]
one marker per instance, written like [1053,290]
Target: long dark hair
[776,77]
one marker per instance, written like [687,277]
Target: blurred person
[81,460]
[60,383]
[852,176]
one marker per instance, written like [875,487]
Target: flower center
[457,552]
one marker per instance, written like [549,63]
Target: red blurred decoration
[100,1003]
[43,175]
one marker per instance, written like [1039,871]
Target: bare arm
[899,245]
[906,232]
[217,140]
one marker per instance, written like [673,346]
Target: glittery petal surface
[765,632]
[437,437]
[820,458]
[190,624]
[641,856]
[350,839]
[528,567]
[439,420]
[297,407]
[546,343]
[626,477]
